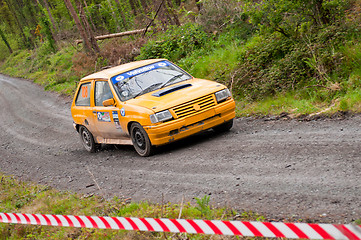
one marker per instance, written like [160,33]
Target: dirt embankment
[284,169]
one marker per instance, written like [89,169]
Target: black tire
[141,140]
[87,139]
[224,127]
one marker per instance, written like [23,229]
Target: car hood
[190,90]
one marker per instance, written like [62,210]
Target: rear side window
[83,98]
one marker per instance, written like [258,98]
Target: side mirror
[109,102]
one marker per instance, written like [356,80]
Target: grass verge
[295,107]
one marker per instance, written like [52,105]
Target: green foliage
[275,64]
[343,105]
[252,215]
[352,52]
[52,70]
[218,60]
[269,65]
[292,18]
[216,65]
[129,208]
[203,206]
[294,103]
[4,39]
[357,221]
[4,52]
[17,63]
[222,15]
[45,25]
[176,43]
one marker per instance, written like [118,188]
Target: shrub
[216,15]
[176,43]
[275,63]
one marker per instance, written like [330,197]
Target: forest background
[293,56]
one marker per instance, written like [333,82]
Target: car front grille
[194,106]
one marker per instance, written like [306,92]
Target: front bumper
[180,128]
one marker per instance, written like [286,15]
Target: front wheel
[140,140]
[87,139]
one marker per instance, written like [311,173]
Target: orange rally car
[146,104]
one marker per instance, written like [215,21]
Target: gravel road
[283,169]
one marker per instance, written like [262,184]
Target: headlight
[222,95]
[161,116]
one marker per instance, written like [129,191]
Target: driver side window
[102,92]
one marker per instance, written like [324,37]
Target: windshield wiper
[171,80]
[146,90]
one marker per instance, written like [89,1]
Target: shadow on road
[180,145]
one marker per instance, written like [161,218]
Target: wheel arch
[77,127]
[130,124]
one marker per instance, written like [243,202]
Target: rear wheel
[141,140]
[224,127]
[87,139]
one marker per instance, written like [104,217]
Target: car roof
[110,72]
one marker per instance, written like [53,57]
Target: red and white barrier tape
[249,229]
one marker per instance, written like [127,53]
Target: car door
[83,106]
[107,118]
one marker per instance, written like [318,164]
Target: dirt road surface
[284,169]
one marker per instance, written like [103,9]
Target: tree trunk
[155,16]
[5,41]
[47,29]
[90,17]
[88,30]
[26,41]
[87,44]
[54,26]
[114,35]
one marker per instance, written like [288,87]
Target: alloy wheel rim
[139,139]
[86,138]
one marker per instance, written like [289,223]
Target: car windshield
[147,78]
